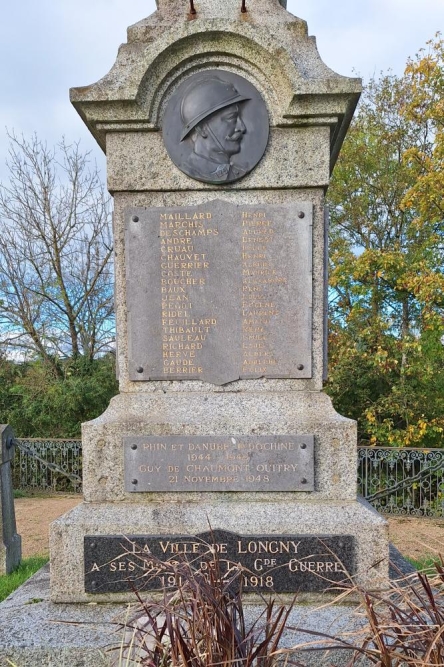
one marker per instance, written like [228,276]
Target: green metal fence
[31,474]
[405,481]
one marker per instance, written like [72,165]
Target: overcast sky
[47,46]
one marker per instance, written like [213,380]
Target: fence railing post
[10,541]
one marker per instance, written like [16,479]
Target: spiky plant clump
[201,622]
[404,626]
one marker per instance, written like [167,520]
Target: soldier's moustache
[235,136]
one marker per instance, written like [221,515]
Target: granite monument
[221,129]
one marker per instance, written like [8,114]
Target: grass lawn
[28,567]
[425,564]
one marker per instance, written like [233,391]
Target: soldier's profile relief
[212,118]
[210,132]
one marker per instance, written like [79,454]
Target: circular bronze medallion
[216,127]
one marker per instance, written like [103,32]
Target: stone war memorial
[221,129]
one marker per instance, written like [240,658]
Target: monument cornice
[281,60]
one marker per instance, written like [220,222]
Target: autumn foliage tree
[386,254]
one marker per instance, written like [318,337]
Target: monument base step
[35,632]
[169,521]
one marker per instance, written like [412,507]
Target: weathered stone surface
[246,518]
[10,541]
[227,8]
[295,158]
[37,633]
[219,292]
[270,563]
[270,45]
[215,463]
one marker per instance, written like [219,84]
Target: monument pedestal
[271,518]
[250,520]
[229,411]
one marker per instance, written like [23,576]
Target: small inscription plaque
[219,463]
[273,563]
[219,291]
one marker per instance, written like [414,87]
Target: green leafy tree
[9,374]
[426,105]
[48,404]
[387,285]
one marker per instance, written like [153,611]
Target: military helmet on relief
[203,98]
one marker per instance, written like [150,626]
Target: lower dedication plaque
[219,463]
[270,563]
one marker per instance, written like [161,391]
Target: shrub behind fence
[395,481]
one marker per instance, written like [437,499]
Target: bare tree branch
[56,295]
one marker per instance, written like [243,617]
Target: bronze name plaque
[219,463]
[218,292]
[272,563]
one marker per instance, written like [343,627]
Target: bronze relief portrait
[216,127]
